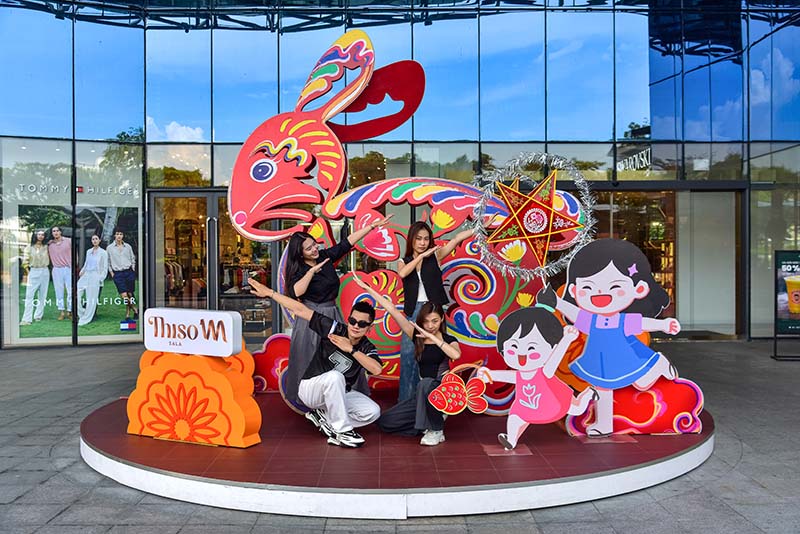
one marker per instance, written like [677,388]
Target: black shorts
[125,281]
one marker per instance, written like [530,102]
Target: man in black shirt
[343,355]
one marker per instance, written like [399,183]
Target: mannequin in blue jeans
[422,282]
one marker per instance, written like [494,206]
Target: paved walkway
[750,484]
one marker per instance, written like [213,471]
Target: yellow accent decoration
[333,155]
[284,123]
[322,143]
[299,125]
[329,164]
[524,299]
[315,133]
[327,175]
[514,251]
[441,219]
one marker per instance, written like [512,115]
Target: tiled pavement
[750,484]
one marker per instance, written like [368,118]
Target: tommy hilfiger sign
[206,332]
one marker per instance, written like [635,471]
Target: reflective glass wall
[672,95]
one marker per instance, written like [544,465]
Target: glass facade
[671,109]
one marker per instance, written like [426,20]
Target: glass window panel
[697,89]
[760,75]
[373,162]
[713,161]
[580,91]
[512,76]
[641,161]
[448,51]
[36,196]
[178,85]
[497,155]
[453,161]
[666,61]
[109,80]
[36,59]
[786,82]
[697,160]
[595,161]
[775,163]
[109,179]
[774,224]
[633,75]
[727,111]
[300,51]
[392,42]
[224,160]
[245,91]
[707,264]
[726,161]
[178,165]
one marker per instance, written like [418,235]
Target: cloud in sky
[174,131]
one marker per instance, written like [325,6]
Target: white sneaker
[432,438]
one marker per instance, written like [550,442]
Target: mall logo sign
[204,332]
[636,162]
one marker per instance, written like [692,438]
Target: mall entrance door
[197,260]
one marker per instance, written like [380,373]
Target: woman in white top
[93,273]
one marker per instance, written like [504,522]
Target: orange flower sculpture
[195,399]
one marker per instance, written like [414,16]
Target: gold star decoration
[532,218]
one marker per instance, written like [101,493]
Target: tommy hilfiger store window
[72,244]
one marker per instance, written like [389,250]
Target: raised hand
[318,267]
[430,251]
[483,374]
[258,289]
[380,222]
[359,282]
[570,333]
[424,333]
[341,342]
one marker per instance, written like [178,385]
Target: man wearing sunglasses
[341,358]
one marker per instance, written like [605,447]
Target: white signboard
[205,332]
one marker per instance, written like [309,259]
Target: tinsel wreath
[515,169]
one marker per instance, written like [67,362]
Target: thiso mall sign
[206,332]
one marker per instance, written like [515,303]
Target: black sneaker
[318,419]
[351,438]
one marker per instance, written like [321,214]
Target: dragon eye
[262,170]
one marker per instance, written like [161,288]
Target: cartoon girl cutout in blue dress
[611,296]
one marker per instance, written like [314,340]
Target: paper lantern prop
[453,396]
[195,399]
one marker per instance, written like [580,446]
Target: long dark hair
[627,259]
[427,309]
[413,230]
[294,259]
[33,237]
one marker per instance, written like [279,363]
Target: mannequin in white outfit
[92,275]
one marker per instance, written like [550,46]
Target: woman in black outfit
[422,282]
[433,350]
[311,278]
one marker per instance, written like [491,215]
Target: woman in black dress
[312,279]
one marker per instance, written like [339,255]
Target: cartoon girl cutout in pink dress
[533,342]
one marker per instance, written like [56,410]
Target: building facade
[683,115]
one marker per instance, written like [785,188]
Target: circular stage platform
[294,471]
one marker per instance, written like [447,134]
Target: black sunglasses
[360,324]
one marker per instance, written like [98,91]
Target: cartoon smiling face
[607,292]
[526,352]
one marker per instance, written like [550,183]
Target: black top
[432,281]
[432,358]
[324,286]
[329,357]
